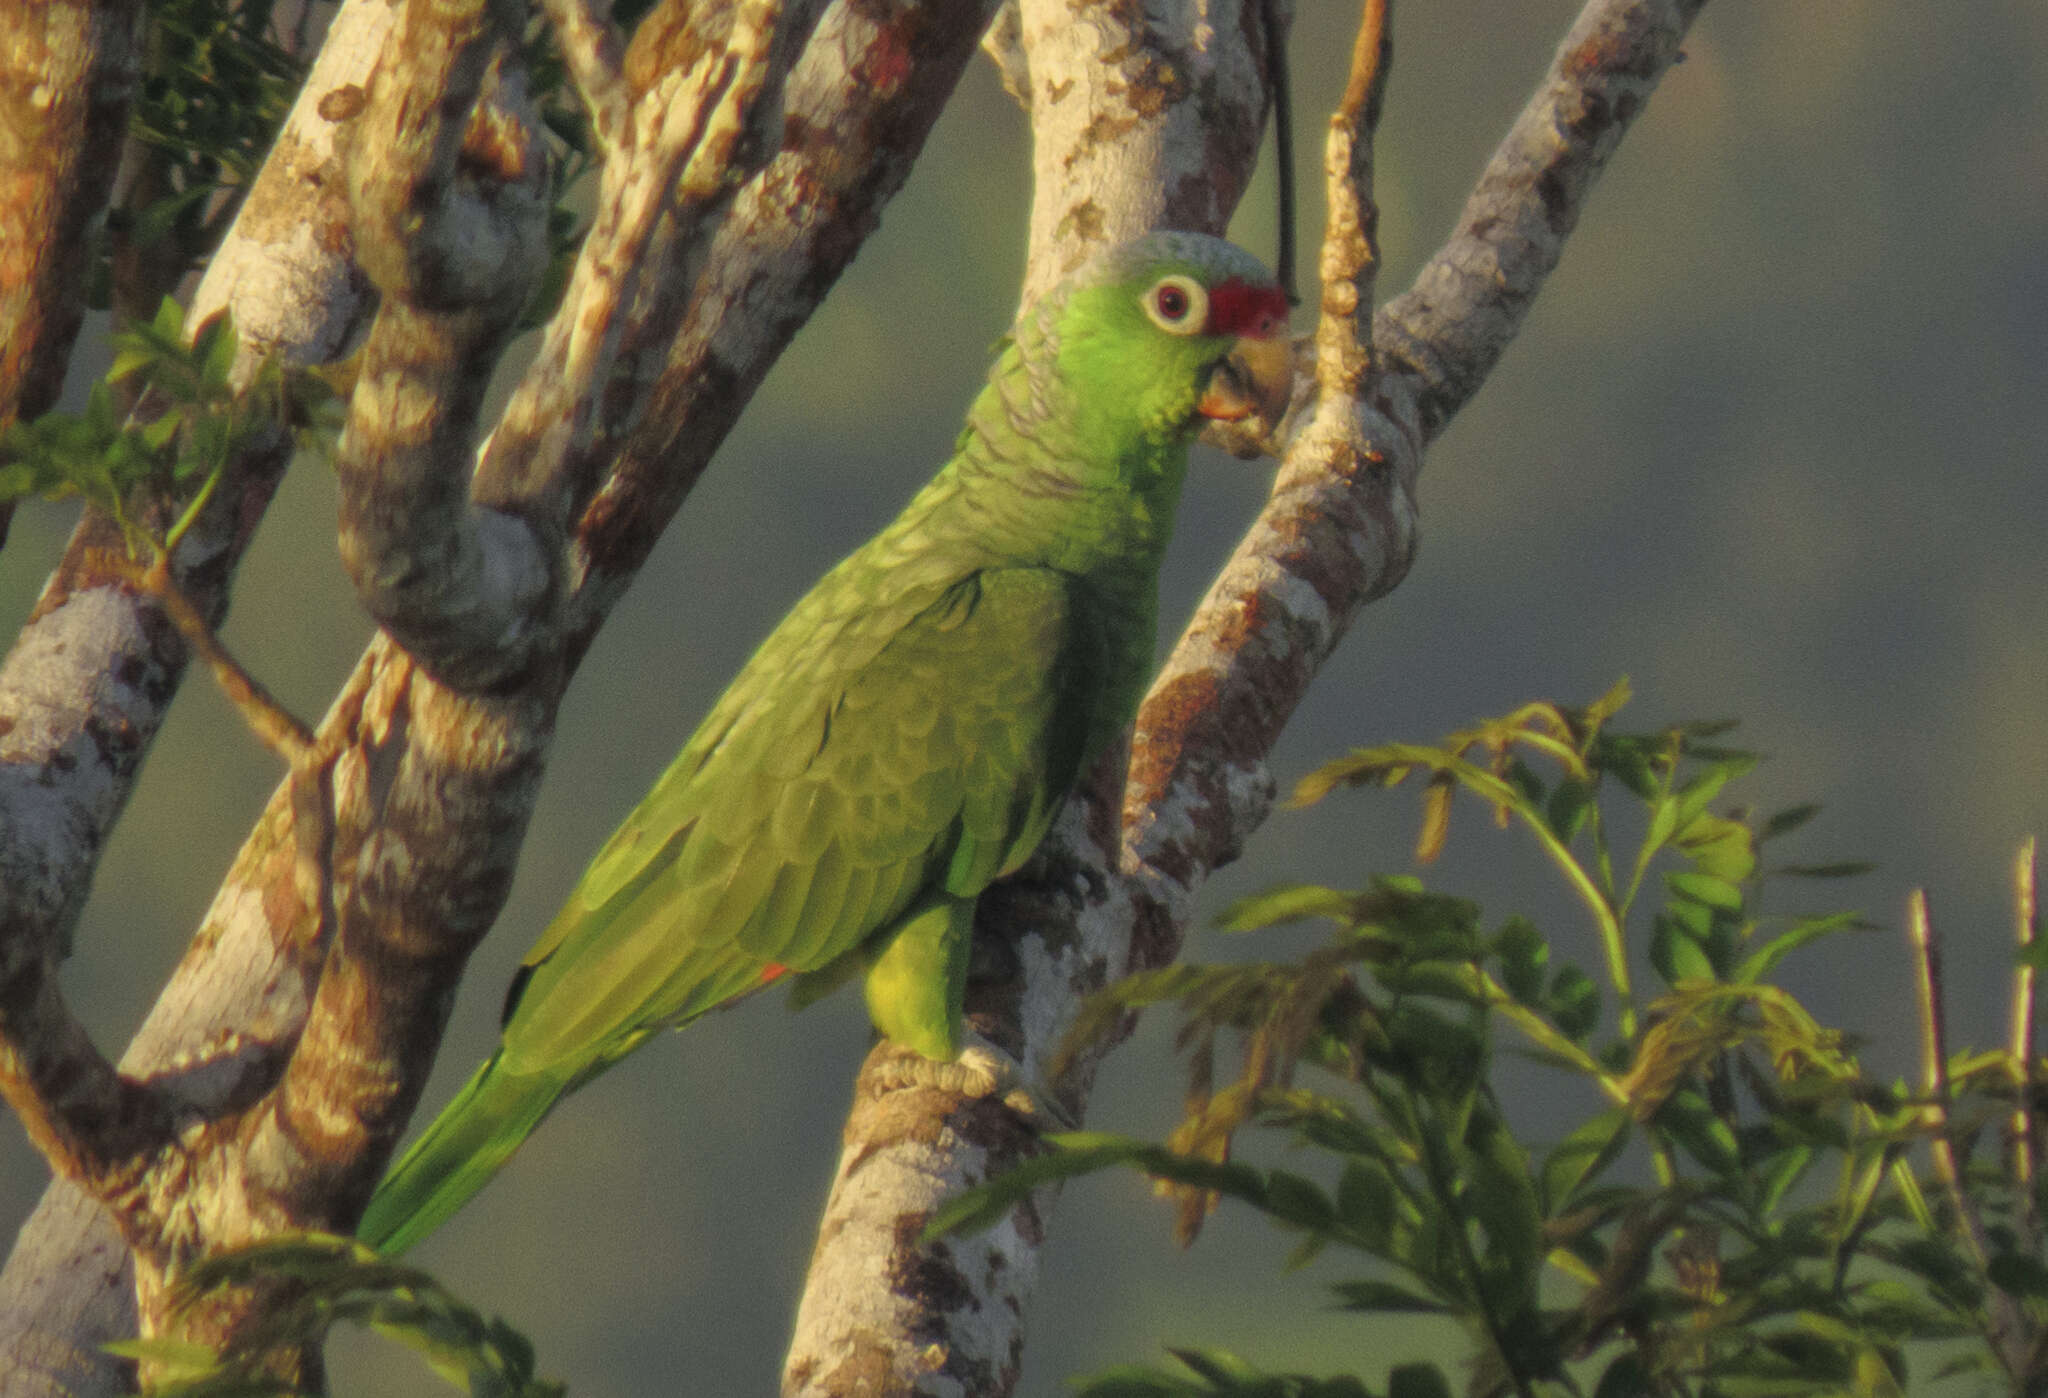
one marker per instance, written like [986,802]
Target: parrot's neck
[1042,492]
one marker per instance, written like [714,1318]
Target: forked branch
[1108,895]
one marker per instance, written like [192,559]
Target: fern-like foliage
[1735,1213]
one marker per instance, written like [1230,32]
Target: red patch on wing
[1239,307]
[773,971]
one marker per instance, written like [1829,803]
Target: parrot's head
[1157,335]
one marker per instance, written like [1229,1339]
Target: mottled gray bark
[66,767]
[294,1039]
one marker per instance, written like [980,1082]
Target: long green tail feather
[464,1147]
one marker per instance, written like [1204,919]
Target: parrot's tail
[462,1149]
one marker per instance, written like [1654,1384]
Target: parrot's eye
[1177,305]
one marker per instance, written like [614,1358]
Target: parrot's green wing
[818,803]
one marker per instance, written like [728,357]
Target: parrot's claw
[980,1070]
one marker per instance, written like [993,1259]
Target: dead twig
[1350,259]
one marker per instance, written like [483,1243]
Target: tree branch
[464,768]
[448,185]
[860,102]
[1351,253]
[593,52]
[1448,330]
[431,787]
[705,85]
[1106,895]
[66,72]
[95,1127]
[86,687]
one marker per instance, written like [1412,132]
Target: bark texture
[1113,889]
[67,75]
[66,768]
[293,1040]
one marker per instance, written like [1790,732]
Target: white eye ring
[1177,304]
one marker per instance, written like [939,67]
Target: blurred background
[1770,446]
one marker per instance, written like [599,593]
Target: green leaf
[1568,807]
[1523,955]
[1500,1193]
[1780,1172]
[167,327]
[1574,1003]
[1719,848]
[102,420]
[1581,1157]
[2019,1274]
[1936,1262]
[1446,980]
[206,448]
[215,348]
[1624,1378]
[1707,890]
[1764,960]
[1628,764]
[1367,1199]
[1677,953]
[1289,903]
[178,1358]
[157,435]
[1525,781]
[1786,821]
[1297,1200]
[131,358]
[1368,1295]
[1695,1127]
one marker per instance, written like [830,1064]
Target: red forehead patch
[1239,307]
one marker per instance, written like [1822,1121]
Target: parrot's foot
[979,1070]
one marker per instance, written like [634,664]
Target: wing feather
[819,805]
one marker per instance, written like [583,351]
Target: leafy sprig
[321,1280]
[1779,1241]
[152,471]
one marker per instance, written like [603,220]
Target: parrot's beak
[1257,376]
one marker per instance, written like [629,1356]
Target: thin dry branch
[593,52]
[1441,338]
[1351,255]
[2025,1147]
[279,729]
[1929,999]
[95,1127]
[2008,1327]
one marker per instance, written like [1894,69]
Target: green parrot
[908,731]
